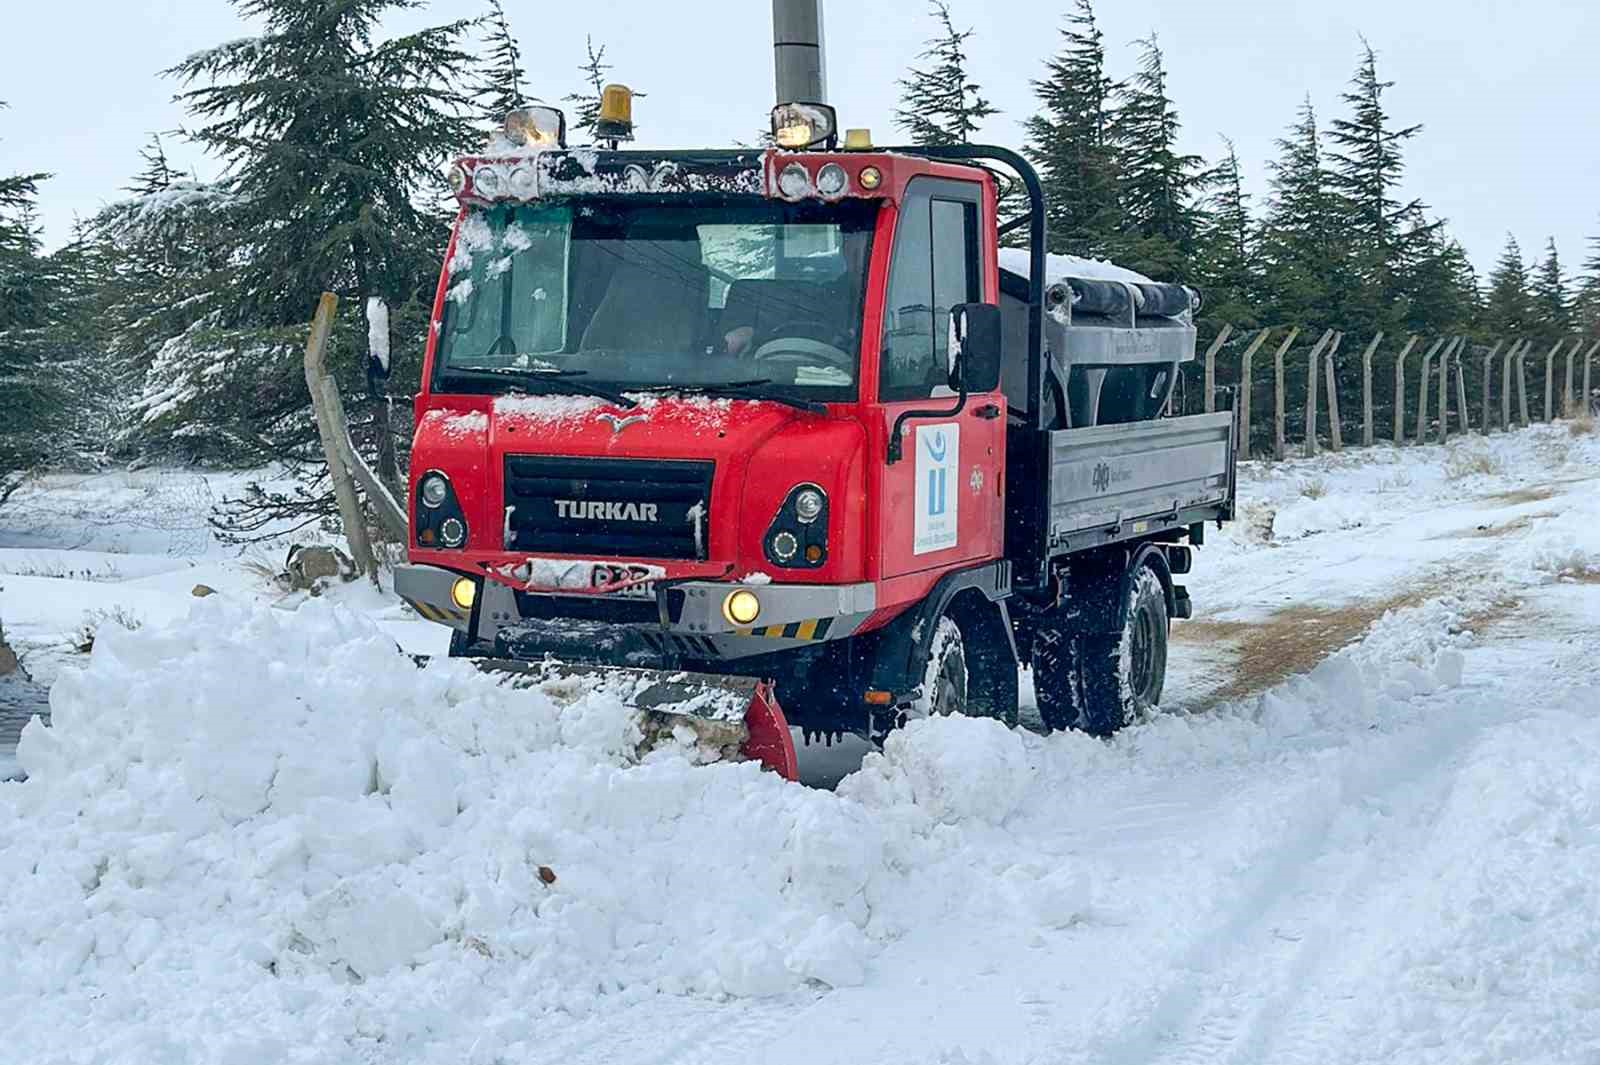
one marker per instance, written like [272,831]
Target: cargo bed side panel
[1114,482]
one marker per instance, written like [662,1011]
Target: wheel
[1099,682]
[944,684]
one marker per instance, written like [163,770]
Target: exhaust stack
[799,59]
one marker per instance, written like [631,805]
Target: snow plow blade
[739,716]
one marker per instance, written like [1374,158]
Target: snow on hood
[1060,267]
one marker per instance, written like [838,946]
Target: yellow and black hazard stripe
[816,629]
[439,614]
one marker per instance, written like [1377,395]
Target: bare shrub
[1315,488]
[94,620]
[1464,462]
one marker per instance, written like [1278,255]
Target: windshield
[761,299]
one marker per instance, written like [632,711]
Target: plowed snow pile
[260,835]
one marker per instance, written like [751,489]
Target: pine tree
[1227,247]
[1386,236]
[1587,304]
[332,140]
[1301,245]
[941,104]
[31,402]
[1157,185]
[586,105]
[157,175]
[1552,303]
[1509,306]
[503,74]
[1067,140]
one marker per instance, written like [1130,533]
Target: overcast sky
[1509,92]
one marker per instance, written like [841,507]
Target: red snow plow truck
[787,427]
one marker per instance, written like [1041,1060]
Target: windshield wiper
[741,389]
[556,379]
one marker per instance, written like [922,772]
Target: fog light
[464,592]
[741,607]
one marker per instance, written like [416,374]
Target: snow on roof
[1061,267]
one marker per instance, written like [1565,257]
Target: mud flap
[739,716]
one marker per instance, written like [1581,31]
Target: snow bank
[264,829]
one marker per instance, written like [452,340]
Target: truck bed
[1119,482]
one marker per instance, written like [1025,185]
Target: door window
[935,267]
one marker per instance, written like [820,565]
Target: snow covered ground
[1366,829]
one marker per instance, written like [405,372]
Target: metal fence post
[1444,392]
[1549,379]
[1505,385]
[1587,399]
[1461,389]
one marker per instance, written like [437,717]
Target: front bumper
[687,624]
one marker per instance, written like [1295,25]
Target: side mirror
[975,347]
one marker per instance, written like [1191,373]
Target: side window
[935,267]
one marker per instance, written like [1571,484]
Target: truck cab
[737,412]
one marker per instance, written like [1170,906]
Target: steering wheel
[803,350]
[814,328]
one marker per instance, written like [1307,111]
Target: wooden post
[1366,390]
[1211,367]
[1245,384]
[1400,391]
[1461,391]
[1335,430]
[1311,393]
[1522,383]
[1425,382]
[1280,450]
[330,429]
[1586,357]
[1488,372]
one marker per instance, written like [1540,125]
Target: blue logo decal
[937,446]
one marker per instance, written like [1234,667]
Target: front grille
[660,508]
[609,609]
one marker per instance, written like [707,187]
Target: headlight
[832,181]
[452,532]
[488,182]
[741,607]
[871,178]
[808,504]
[524,182]
[434,489]
[464,592]
[794,183]
[458,179]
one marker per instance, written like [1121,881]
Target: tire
[946,681]
[1098,682]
